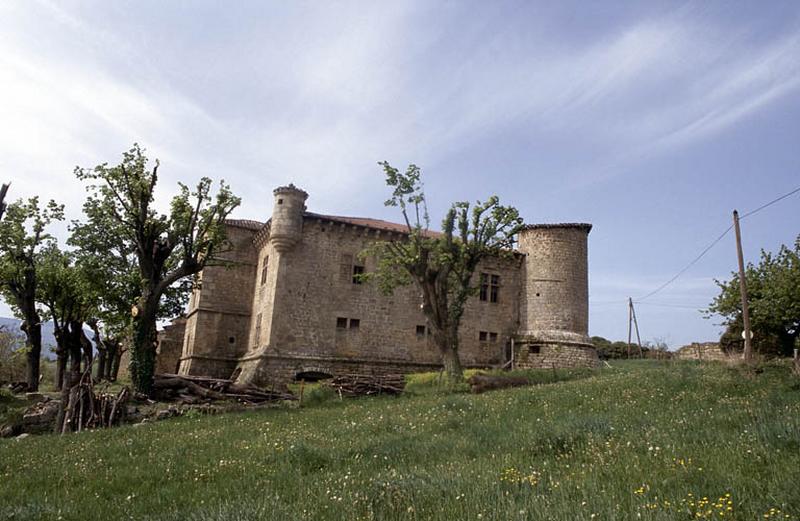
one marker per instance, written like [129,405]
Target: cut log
[480,383]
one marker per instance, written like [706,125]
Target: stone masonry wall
[547,356]
[311,308]
[219,311]
[170,346]
[555,291]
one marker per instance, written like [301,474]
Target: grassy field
[643,440]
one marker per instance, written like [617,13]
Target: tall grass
[644,440]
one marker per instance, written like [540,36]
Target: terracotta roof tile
[374,224]
[244,223]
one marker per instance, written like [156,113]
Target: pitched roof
[375,224]
[245,223]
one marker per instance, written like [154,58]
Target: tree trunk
[112,359]
[101,350]
[114,363]
[101,364]
[32,327]
[143,350]
[61,365]
[452,365]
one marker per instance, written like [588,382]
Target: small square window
[280,201]
[420,331]
[231,340]
[357,272]
[534,349]
[492,337]
[354,323]
[341,323]
[482,335]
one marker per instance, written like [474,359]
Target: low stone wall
[703,351]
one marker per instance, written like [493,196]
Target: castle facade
[290,304]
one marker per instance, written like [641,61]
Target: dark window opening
[537,294]
[484,286]
[420,331]
[280,201]
[534,349]
[341,323]
[482,335]
[354,323]
[231,340]
[494,289]
[492,337]
[264,265]
[357,272]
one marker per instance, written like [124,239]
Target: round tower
[554,312]
[286,227]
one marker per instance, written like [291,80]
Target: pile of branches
[480,382]
[364,385]
[81,408]
[194,389]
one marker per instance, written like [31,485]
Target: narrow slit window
[484,286]
[357,272]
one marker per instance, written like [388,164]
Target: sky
[650,120]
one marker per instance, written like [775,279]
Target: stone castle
[290,304]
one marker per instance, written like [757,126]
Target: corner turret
[287,217]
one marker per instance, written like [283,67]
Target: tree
[22,235]
[115,280]
[773,288]
[442,265]
[168,248]
[66,292]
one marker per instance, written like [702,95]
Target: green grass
[645,440]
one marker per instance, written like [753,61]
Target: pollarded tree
[442,265]
[22,235]
[168,247]
[102,250]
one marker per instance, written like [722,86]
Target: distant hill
[48,339]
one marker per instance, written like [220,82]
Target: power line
[784,196]
[682,271]
[713,243]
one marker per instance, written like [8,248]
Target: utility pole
[748,345]
[633,322]
[3,191]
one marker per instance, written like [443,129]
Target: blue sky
[653,121]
